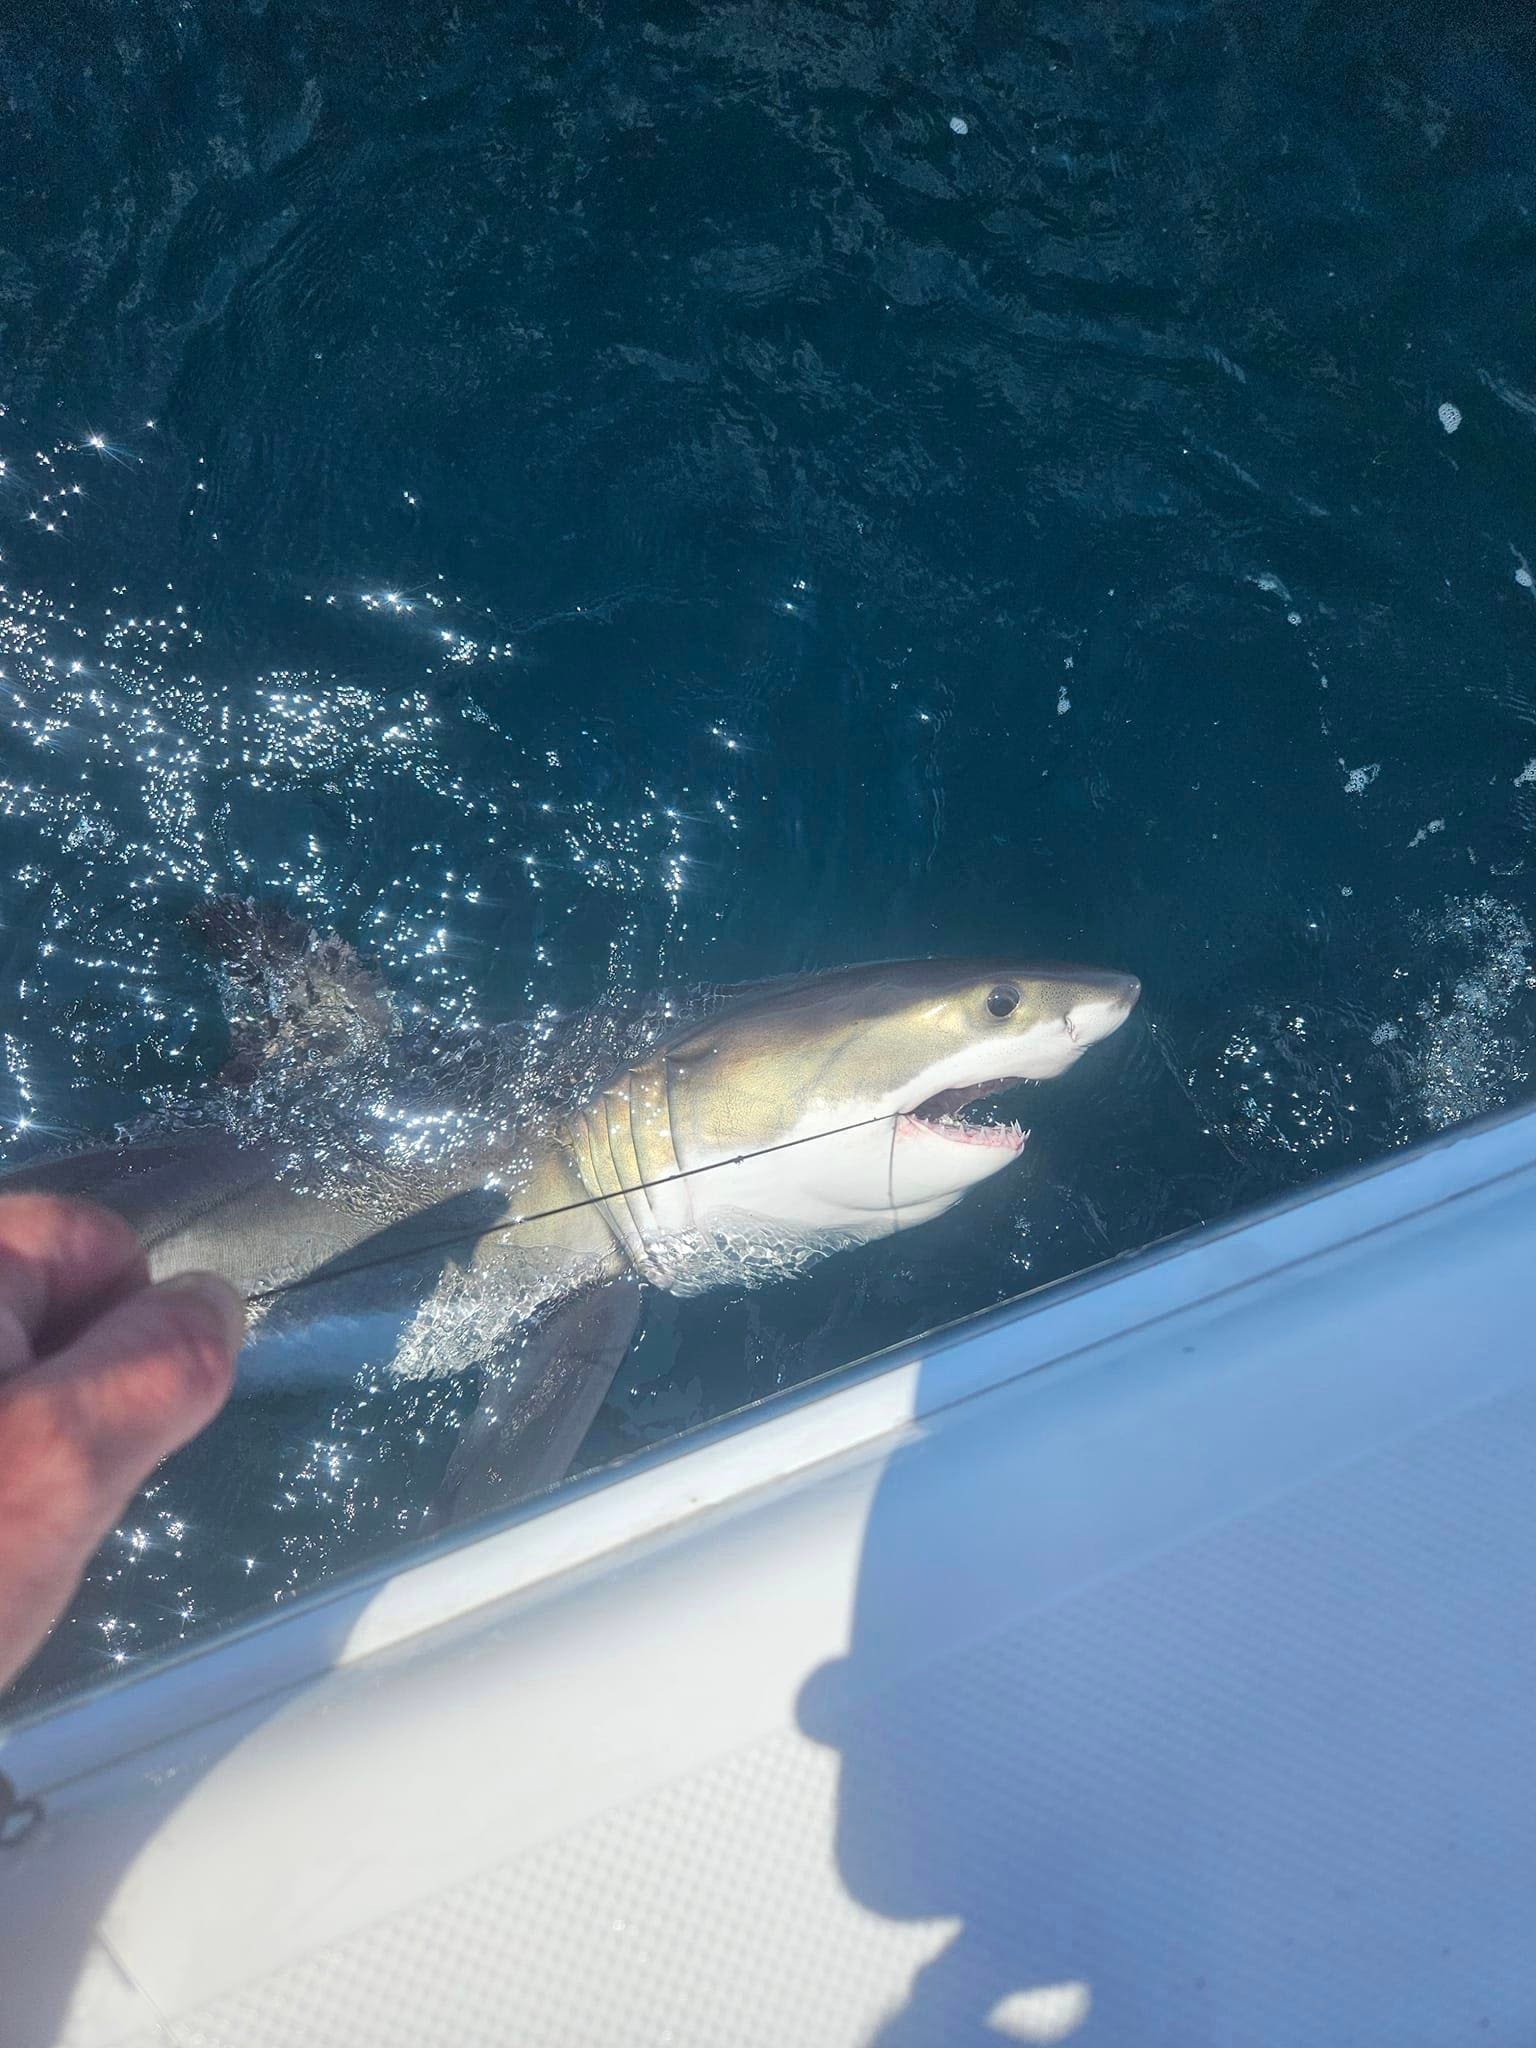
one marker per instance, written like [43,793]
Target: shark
[788,1120]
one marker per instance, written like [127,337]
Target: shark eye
[1003,1000]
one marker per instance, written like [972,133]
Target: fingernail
[216,1294]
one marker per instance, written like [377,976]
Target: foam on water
[1470,1057]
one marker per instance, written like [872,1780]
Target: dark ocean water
[583,497]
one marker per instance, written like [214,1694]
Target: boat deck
[1152,1662]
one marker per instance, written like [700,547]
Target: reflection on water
[586,507]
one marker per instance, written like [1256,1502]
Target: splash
[1468,1060]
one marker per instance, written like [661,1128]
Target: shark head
[827,1109]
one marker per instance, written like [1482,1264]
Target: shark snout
[1096,1016]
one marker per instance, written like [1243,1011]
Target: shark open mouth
[940,1117]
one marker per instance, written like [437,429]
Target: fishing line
[1212,1125]
[323,1276]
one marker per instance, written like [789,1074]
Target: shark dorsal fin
[287,990]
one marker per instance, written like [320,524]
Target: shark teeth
[938,1108]
[942,1116]
[1000,1137]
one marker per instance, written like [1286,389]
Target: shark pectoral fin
[539,1402]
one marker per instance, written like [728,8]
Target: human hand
[101,1376]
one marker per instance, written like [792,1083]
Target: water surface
[584,498]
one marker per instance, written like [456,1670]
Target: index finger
[61,1263]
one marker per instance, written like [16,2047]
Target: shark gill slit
[651,1127]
